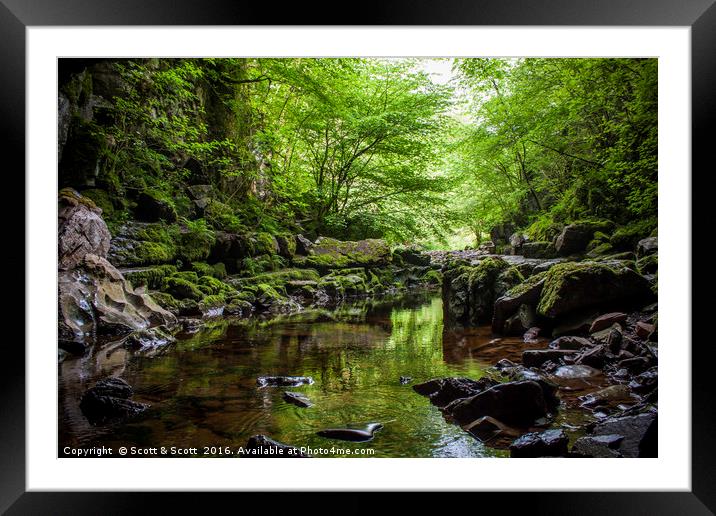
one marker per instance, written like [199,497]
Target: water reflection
[203,389]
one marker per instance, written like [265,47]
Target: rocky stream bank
[595,304]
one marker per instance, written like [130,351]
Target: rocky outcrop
[575,237]
[81,230]
[469,293]
[329,253]
[626,436]
[514,403]
[573,286]
[95,299]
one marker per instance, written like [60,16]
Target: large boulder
[81,230]
[575,237]
[470,292]
[513,403]
[626,436]
[95,299]
[328,253]
[570,287]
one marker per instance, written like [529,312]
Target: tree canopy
[356,148]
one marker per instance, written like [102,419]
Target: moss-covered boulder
[627,237]
[286,246]
[469,293]
[574,286]
[575,237]
[526,293]
[152,277]
[182,288]
[328,253]
[538,250]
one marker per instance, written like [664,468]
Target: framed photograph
[423,246]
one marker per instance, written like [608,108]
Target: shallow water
[203,389]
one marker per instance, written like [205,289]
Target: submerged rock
[261,446]
[283,381]
[537,357]
[108,401]
[351,434]
[550,443]
[295,398]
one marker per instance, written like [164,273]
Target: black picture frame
[700,15]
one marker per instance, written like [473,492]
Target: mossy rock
[212,301]
[286,246]
[470,292]
[166,301]
[432,277]
[599,248]
[572,286]
[181,288]
[328,253]
[152,277]
[265,244]
[648,264]
[215,286]
[626,237]
[102,200]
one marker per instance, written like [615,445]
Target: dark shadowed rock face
[550,443]
[513,403]
[81,230]
[261,446]
[108,401]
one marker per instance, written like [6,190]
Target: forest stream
[203,390]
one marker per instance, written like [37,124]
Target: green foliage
[194,244]
[556,140]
